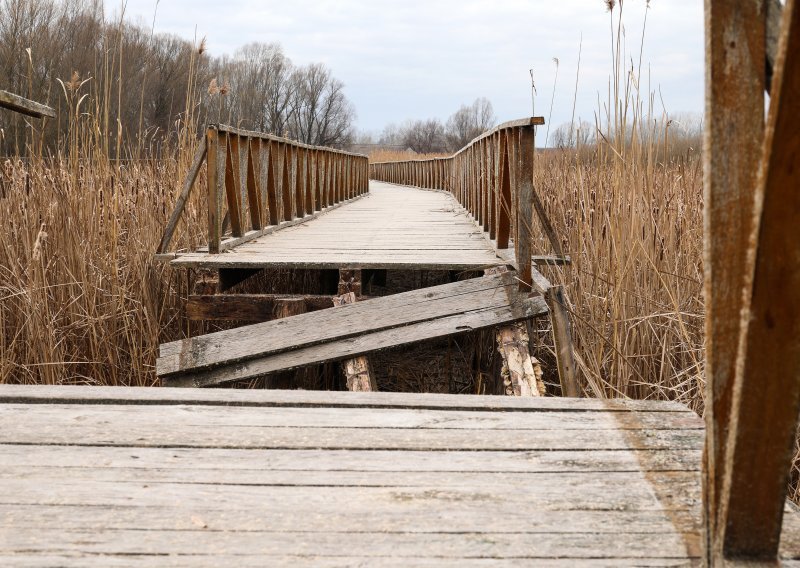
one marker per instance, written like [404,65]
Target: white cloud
[420,58]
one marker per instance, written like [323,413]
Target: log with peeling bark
[356,370]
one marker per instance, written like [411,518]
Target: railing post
[524,205]
[212,142]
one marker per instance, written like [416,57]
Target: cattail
[213,89]
[202,47]
[225,88]
[610,4]
[74,81]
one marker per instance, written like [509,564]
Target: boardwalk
[392,226]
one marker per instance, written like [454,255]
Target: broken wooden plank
[336,349]
[358,377]
[25,106]
[347,321]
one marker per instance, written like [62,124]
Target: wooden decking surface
[163,477]
[392,227]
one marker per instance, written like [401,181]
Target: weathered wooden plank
[45,394]
[343,348]
[25,106]
[213,188]
[347,321]
[113,459]
[367,545]
[95,430]
[401,418]
[766,390]
[562,341]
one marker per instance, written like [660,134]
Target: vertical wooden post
[232,178]
[524,206]
[735,56]
[766,389]
[253,187]
[212,142]
[562,342]
[286,184]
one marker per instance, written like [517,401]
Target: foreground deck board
[174,477]
[393,227]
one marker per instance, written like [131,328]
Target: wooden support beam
[230,277]
[734,127]
[562,342]
[25,106]
[766,391]
[356,370]
[247,307]
[213,186]
[186,188]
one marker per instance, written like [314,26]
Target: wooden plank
[66,394]
[368,418]
[186,188]
[350,346]
[766,391]
[174,463]
[734,125]
[396,310]
[370,547]
[25,106]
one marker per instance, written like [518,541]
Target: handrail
[492,178]
[258,182]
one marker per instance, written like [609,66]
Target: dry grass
[81,298]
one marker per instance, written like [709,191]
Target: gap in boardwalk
[464,364]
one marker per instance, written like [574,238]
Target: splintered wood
[521,372]
[356,370]
[347,331]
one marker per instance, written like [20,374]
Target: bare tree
[469,122]
[320,114]
[425,136]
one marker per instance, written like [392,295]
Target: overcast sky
[411,59]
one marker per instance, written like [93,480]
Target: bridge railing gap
[492,178]
[258,183]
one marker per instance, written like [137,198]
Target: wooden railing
[258,183]
[492,178]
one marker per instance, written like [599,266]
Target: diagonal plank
[483,302]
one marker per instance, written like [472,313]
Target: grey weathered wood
[335,349]
[25,106]
[45,394]
[345,322]
[400,228]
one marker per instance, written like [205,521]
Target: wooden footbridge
[193,476]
